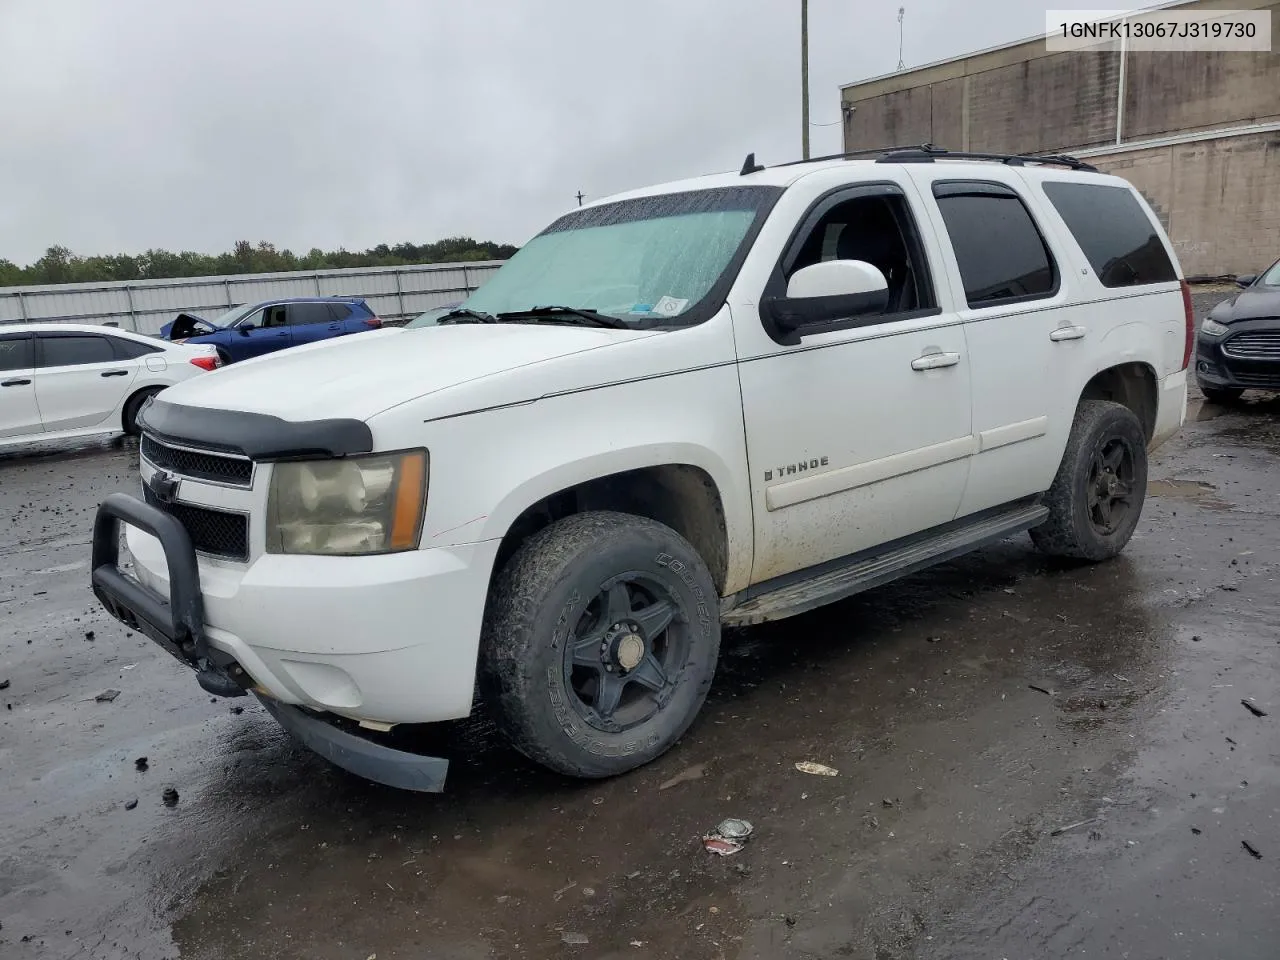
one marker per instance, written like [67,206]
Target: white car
[63,380]
[713,402]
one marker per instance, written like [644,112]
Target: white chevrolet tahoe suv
[708,403]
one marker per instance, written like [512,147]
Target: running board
[864,573]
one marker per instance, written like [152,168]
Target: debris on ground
[106,696]
[1072,826]
[575,939]
[563,890]
[140,763]
[728,838]
[887,802]
[735,829]
[1197,831]
[1253,708]
[720,846]
[89,635]
[1253,851]
[1038,689]
[4,684]
[130,804]
[237,710]
[694,772]
[170,797]
[817,769]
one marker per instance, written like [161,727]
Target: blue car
[255,329]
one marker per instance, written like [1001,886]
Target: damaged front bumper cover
[176,624]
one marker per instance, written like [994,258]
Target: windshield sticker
[670,306]
[642,308]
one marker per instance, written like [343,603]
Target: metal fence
[394,293]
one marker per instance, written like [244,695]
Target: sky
[190,124]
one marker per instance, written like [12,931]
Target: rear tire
[600,642]
[130,417]
[1223,396]
[1096,498]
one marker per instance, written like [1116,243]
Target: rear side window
[1000,252]
[15,353]
[131,349]
[1114,232]
[56,351]
[307,313]
[339,311]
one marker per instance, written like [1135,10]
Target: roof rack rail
[928,153]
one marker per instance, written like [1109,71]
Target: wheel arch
[680,495]
[1133,384]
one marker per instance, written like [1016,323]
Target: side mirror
[830,291]
[1246,280]
[247,328]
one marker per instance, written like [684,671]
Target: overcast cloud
[129,124]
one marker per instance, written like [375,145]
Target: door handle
[15,383]
[1067,333]
[935,361]
[115,373]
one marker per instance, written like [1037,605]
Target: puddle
[1197,491]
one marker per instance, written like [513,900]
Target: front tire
[600,642]
[1097,496]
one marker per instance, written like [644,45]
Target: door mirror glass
[1246,280]
[831,291]
[246,328]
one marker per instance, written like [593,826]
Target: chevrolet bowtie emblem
[163,486]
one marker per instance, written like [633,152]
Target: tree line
[61,265]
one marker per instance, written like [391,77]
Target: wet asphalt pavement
[972,712]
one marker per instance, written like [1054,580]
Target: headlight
[1211,328]
[353,507]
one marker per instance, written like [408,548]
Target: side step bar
[862,572]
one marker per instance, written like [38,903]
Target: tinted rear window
[306,313]
[131,349]
[999,250]
[340,311]
[1114,232]
[58,351]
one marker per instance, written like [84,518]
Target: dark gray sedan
[1238,347]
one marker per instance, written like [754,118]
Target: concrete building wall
[1219,197]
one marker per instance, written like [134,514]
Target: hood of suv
[362,375]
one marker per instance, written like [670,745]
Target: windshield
[231,316]
[429,318]
[651,259]
[1272,277]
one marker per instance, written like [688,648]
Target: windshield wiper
[464,315]
[577,315]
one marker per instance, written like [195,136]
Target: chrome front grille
[221,468]
[1263,345]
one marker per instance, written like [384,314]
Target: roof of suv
[785,175]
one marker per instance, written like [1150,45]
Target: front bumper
[1214,367]
[352,637]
